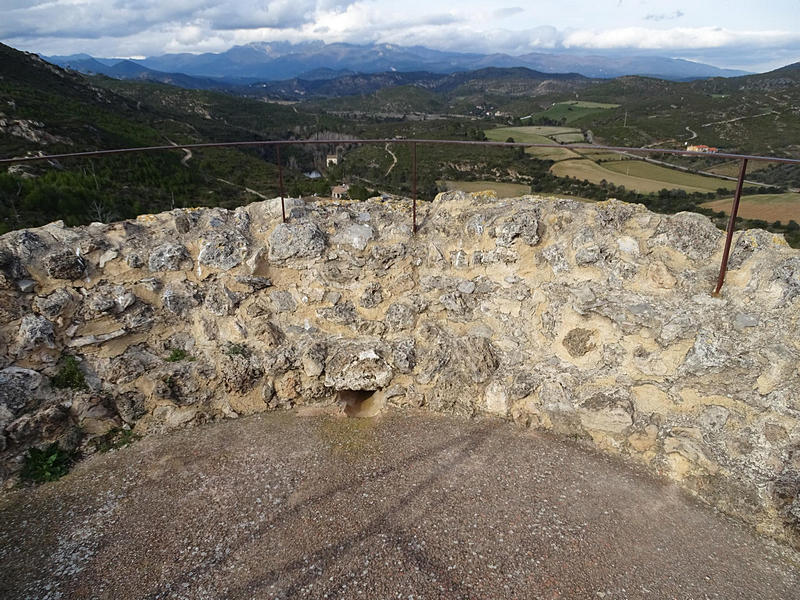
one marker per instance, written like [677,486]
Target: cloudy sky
[750,35]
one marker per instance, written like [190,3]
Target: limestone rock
[296,240]
[17,386]
[179,297]
[355,235]
[35,427]
[283,301]
[578,342]
[64,264]
[240,372]
[224,250]
[35,331]
[690,233]
[353,366]
[343,313]
[400,316]
[404,355]
[52,305]
[609,412]
[555,256]
[314,359]
[221,301]
[169,257]
[372,296]
[11,266]
[523,225]
[787,275]
[254,282]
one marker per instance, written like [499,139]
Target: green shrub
[46,465]
[178,354]
[69,375]
[237,350]
[115,439]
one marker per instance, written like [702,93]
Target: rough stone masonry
[593,320]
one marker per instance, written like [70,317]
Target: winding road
[764,114]
[394,159]
[187,157]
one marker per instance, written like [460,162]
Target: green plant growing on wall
[47,464]
[115,439]
[69,376]
[178,354]
[232,349]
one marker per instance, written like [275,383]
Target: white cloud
[664,16]
[510,11]
[92,19]
[152,27]
[676,38]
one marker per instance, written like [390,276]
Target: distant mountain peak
[283,60]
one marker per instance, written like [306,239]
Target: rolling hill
[44,108]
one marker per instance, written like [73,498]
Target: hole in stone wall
[360,403]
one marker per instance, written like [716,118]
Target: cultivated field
[604,155]
[550,130]
[569,138]
[731,168]
[503,190]
[768,207]
[670,177]
[618,169]
[591,171]
[526,135]
[529,135]
[573,110]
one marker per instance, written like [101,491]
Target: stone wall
[591,320]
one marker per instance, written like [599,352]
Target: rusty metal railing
[744,158]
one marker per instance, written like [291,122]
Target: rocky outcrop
[590,320]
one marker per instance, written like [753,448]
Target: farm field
[591,171]
[503,190]
[731,168]
[528,135]
[646,170]
[768,207]
[604,155]
[573,110]
[550,130]
[554,154]
[618,169]
[569,138]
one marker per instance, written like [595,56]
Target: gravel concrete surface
[403,506]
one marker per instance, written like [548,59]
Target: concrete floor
[403,506]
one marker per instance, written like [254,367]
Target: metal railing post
[280,181]
[731,225]
[414,185]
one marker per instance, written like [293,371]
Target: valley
[46,109]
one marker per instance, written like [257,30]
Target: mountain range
[275,61]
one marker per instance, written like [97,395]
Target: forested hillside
[45,109]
